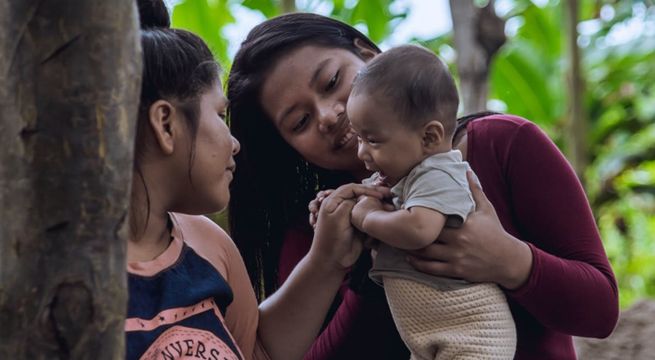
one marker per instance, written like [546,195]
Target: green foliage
[205,18]
[527,74]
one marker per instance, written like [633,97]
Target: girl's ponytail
[153,14]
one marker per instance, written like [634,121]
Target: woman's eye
[333,82]
[301,123]
[222,115]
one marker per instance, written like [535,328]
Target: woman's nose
[236,147]
[329,115]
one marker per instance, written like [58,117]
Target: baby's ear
[433,134]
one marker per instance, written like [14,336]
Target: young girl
[189,292]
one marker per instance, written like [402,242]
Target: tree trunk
[479,33]
[576,125]
[69,87]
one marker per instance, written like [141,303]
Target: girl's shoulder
[207,239]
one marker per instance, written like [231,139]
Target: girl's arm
[291,318]
[361,326]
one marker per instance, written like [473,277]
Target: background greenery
[528,79]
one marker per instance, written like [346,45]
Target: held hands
[335,239]
[479,251]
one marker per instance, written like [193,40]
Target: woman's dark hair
[273,183]
[177,66]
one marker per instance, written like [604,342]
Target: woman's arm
[562,275]
[291,318]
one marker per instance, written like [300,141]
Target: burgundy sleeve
[361,326]
[571,287]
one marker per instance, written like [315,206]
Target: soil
[633,338]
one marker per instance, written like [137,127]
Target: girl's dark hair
[273,183]
[153,14]
[177,66]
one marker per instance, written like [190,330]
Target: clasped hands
[479,251]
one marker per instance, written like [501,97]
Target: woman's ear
[161,115]
[365,51]
[433,135]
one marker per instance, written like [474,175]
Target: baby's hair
[414,83]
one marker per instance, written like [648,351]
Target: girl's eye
[222,115]
[301,123]
[333,82]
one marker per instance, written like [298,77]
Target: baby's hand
[315,205]
[365,205]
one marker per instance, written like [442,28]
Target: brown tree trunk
[69,87]
[576,144]
[478,33]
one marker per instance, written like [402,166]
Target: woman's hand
[335,239]
[479,251]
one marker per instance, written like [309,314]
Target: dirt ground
[633,338]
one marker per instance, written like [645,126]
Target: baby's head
[403,106]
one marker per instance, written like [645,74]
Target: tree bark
[69,86]
[478,33]
[576,144]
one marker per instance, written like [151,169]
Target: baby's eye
[301,123]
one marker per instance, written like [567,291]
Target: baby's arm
[409,229]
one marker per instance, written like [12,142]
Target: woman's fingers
[432,267]
[435,251]
[436,259]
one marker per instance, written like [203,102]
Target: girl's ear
[365,51]
[162,115]
[433,134]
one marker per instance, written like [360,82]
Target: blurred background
[585,74]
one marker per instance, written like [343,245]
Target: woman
[288,88]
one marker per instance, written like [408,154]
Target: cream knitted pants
[469,323]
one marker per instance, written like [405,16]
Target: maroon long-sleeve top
[571,289]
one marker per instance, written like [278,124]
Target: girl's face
[305,95]
[212,164]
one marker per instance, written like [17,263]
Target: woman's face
[305,95]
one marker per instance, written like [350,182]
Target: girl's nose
[236,147]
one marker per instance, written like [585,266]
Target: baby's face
[385,145]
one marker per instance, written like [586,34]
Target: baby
[403,107]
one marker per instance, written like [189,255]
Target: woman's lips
[346,138]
